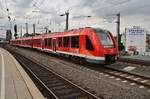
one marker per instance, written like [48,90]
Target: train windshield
[105,38]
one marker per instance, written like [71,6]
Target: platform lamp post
[118,29]
[67,19]
[21,31]
[86,24]
[26,28]
[9,18]
[33,34]
[33,29]
[87,19]
[15,30]
[9,21]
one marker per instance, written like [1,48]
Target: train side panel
[82,43]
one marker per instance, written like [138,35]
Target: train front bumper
[97,60]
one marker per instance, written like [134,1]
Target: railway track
[129,79]
[143,81]
[51,84]
[140,80]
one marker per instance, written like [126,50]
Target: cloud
[133,12]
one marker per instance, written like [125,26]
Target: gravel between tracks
[138,69]
[94,81]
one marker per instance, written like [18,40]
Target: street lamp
[118,28]
[87,17]
[67,18]
[78,17]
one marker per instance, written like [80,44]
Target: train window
[49,42]
[89,45]
[105,38]
[38,41]
[75,42]
[45,42]
[66,41]
[60,41]
[28,42]
[34,41]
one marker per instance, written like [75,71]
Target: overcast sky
[102,12]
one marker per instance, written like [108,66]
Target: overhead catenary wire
[2,8]
[6,4]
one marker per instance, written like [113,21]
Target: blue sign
[136,32]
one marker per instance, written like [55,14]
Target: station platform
[14,81]
[141,59]
[137,57]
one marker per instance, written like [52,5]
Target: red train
[91,44]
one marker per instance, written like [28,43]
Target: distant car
[91,44]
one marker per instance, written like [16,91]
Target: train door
[43,43]
[54,44]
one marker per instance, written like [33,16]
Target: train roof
[65,33]
[71,32]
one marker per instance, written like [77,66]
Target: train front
[108,44]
